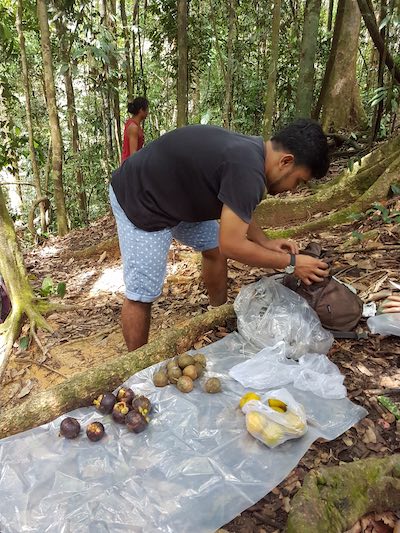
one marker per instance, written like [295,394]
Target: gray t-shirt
[188,174]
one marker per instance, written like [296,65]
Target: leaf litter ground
[90,333]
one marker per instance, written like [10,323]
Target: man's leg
[135,323]
[144,258]
[215,276]
[203,237]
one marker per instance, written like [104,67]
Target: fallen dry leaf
[26,389]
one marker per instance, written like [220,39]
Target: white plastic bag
[268,312]
[270,368]
[387,324]
[271,427]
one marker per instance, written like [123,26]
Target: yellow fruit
[274,402]
[272,434]
[295,422]
[247,397]
[255,422]
[278,409]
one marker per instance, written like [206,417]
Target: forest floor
[91,333]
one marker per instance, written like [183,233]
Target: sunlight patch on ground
[48,251]
[111,280]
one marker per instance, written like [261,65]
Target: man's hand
[310,270]
[282,245]
[391,304]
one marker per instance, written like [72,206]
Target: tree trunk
[305,84]
[57,152]
[370,21]
[330,15]
[230,4]
[81,389]
[341,105]
[272,71]
[378,111]
[135,21]
[115,82]
[333,499]
[28,111]
[127,46]
[65,47]
[182,77]
[13,271]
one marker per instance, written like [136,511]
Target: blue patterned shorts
[144,253]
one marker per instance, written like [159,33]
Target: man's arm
[133,137]
[235,244]
[256,234]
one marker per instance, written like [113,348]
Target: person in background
[133,131]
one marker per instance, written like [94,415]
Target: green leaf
[61,289]
[23,343]
[357,235]
[47,286]
[395,189]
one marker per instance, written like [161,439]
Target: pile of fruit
[125,408]
[182,371]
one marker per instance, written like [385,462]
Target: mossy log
[332,499]
[82,388]
[335,194]
[96,249]
[378,191]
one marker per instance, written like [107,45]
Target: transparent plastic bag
[270,368]
[387,324]
[268,312]
[273,427]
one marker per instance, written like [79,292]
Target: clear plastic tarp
[192,470]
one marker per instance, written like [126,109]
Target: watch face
[289,269]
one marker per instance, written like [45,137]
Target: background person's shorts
[144,253]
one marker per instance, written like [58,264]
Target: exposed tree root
[378,191]
[82,388]
[332,499]
[95,249]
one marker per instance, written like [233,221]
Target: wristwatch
[292,265]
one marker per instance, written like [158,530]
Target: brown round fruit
[199,369]
[185,360]
[142,405]
[70,428]
[136,422]
[125,395]
[105,403]
[95,431]
[201,359]
[190,371]
[184,384]
[160,379]
[171,364]
[119,412]
[174,374]
[212,385]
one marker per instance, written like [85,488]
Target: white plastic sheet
[268,313]
[193,470]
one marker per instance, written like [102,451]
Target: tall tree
[340,101]
[230,66]
[305,84]
[127,46]
[182,78]
[272,70]
[28,111]
[56,139]
[66,41]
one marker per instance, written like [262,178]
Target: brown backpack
[338,308]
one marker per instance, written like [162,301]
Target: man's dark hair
[307,142]
[138,103]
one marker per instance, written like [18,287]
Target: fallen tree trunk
[332,499]
[335,194]
[378,191]
[82,388]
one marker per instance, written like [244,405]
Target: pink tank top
[125,144]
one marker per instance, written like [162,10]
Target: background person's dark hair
[138,103]
[305,139]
